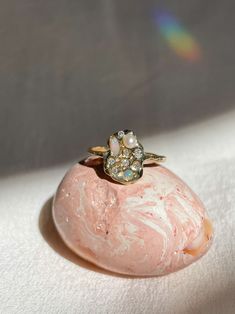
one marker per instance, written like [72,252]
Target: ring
[124,157]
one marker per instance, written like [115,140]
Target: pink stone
[152,227]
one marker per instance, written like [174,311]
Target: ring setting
[124,157]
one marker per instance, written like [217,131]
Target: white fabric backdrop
[39,275]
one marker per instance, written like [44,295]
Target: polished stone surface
[152,227]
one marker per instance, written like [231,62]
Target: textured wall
[72,72]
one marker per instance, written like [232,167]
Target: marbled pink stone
[152,227]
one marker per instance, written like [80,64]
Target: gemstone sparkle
[125,162]
[136,166]
[126,152]
[138,153]
[128,175]
[120,134]
[111,161]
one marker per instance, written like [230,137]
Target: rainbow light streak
[177,37]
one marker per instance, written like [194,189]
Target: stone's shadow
[151,164]
[52,237]
[97,164]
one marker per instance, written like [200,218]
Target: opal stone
[152,227]
[114,145]
[128,174]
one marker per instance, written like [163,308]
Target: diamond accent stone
[120,134]
[110,161]
[136,166]
[125,162]
[138,153]
[119,175]
[126,152]
[115,170]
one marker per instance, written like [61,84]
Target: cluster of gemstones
[124,160]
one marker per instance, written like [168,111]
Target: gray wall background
[72,72]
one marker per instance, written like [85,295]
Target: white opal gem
[130,140]
[114,145]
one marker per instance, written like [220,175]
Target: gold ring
[124,157]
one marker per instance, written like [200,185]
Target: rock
[152,227]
